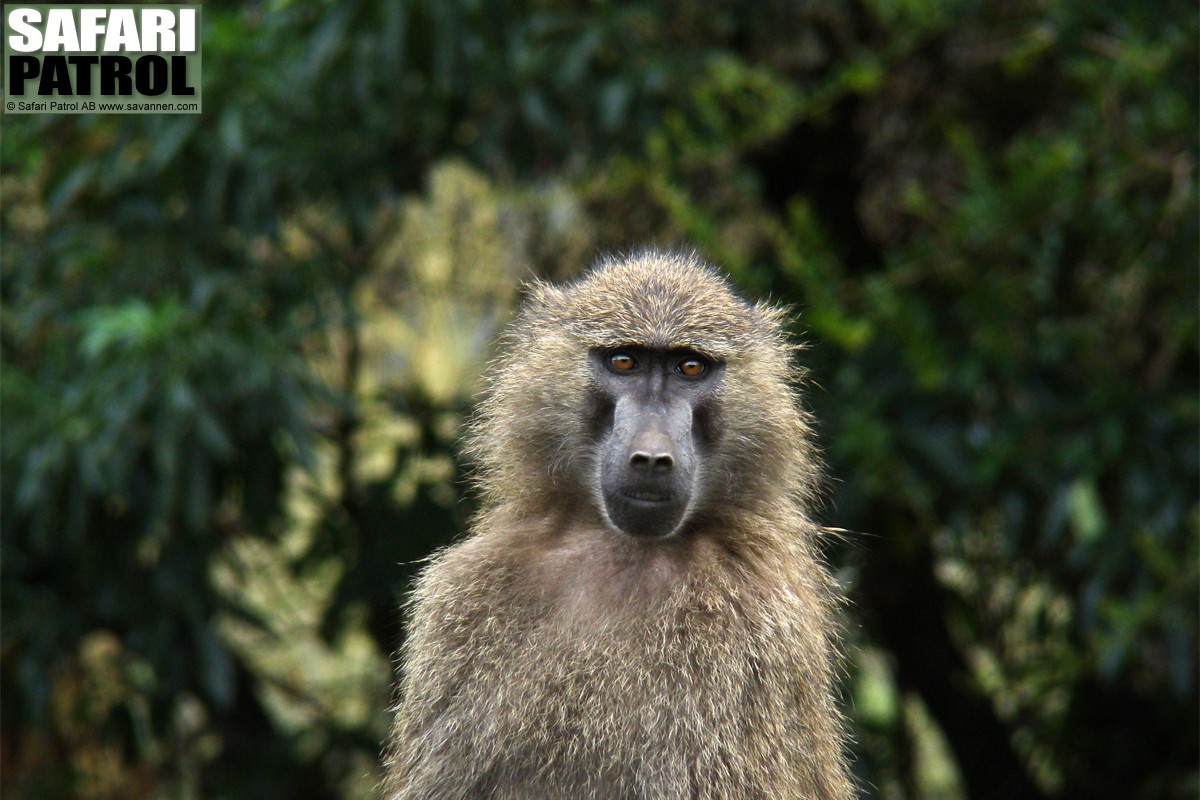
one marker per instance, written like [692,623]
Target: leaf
[1085,512]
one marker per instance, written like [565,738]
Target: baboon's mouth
[646,496]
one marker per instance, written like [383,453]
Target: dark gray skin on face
[651,436]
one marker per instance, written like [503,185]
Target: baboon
[640,609]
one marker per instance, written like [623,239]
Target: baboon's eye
[693,367]
[622,362]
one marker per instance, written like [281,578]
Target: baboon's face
[653,423]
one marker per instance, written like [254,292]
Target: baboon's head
[648,393]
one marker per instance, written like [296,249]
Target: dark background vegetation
[237,350]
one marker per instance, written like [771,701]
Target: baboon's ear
[772,319]
[541,295]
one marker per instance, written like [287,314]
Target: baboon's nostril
[661,462]
[652,451]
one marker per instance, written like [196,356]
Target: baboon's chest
[623,700]
[596,674]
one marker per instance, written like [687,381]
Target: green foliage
[237,350]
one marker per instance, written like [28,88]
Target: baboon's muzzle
[647,467]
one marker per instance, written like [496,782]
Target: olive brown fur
[550,654]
